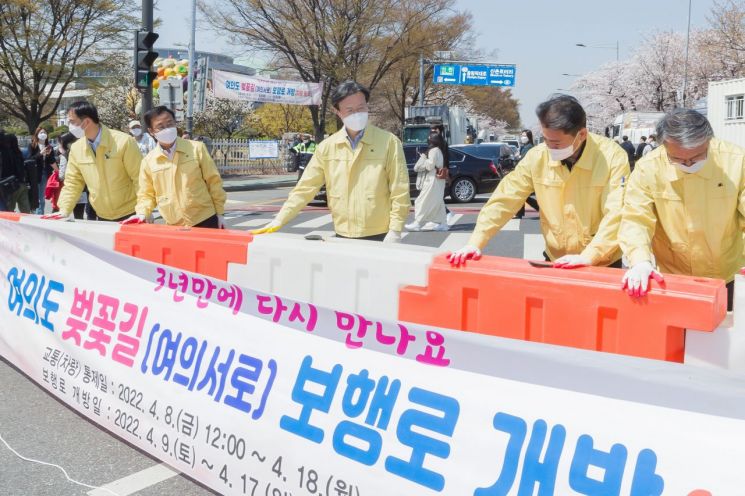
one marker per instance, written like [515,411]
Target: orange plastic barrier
[581,308]
[13,216]
[205,251]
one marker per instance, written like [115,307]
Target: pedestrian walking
[630,151]
[429,206]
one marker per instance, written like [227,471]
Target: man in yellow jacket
[363,167]
[178,176]
[685,206]
[578,179]
[106,161]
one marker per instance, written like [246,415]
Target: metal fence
[232,157]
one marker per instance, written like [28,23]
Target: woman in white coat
[429,207]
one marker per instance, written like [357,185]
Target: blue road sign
[475,75]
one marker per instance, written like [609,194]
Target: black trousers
[374,237]
[210,222]
[730,295]
[116,220]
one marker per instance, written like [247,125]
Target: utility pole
[190,98]
[147,26]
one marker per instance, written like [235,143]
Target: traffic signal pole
[147,26]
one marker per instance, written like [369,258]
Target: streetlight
[190,96]
[685,67]
[571,75]
[607,47]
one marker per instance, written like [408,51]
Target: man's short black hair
[562,112]
[83,109]
[348,88]
[155,112]
[625,138]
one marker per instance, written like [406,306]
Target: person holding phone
[40,150]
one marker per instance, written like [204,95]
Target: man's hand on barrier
[220,221]
[273,226]
[392,237]
[59,216]
[572,262]
[459,257]
[636,279]
[135,219]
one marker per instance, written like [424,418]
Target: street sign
[475,75]
[171,94]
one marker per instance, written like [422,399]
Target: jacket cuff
[639,255]
[396,225]
[479,240]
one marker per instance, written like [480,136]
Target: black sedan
[469,175]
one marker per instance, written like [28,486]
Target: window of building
[735,107]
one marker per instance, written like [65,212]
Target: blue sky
[539,37]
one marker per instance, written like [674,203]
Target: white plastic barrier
[725,347]
[348,275]
[99,233]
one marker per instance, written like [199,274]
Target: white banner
[255,89]
[263,149]
[253,394]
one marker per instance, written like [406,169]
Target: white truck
[419,119]
[726,110]
[634,125]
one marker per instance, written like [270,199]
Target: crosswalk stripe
[512,225]
[533,246]
[252,223]
[314,223]
[455,241]
[454,219]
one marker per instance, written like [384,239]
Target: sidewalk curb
[251,186]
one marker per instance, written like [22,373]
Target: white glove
[220,221]
[60,216]
[636,279]
[468,252]
[273,226]
[392,237]
[135,219]
[572,262]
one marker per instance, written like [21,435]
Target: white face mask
[560,154]
[76,131]
[42,136]
[356,122]
[166,136]
[136,132]
[691,169]
[524,140]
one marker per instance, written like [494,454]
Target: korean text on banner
[255,89]
[252,393]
